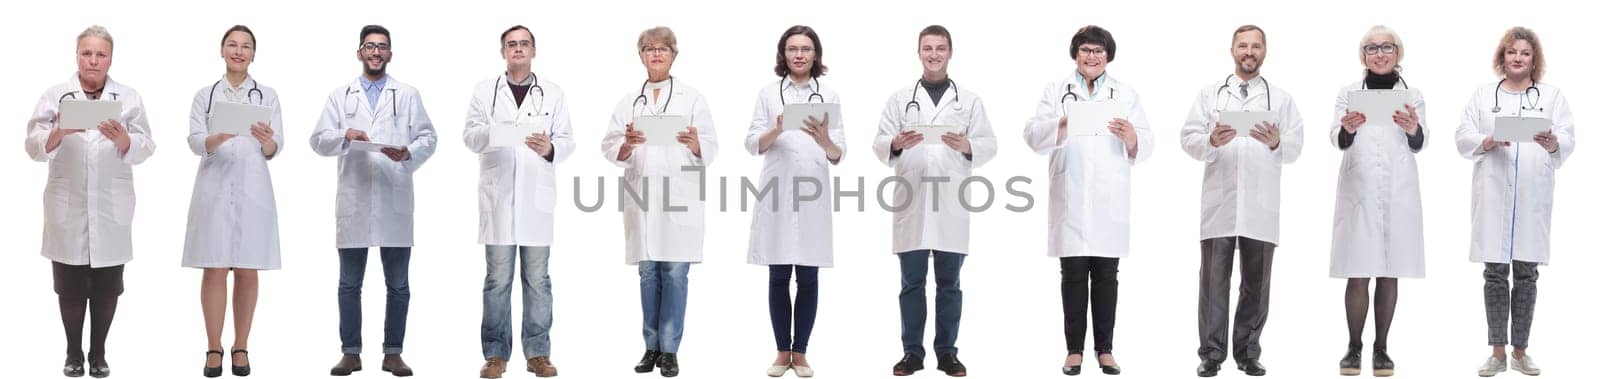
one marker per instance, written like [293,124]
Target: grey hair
[97,31]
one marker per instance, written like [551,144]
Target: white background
[1004,52]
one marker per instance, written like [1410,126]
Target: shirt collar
[374,86]
[1099,83]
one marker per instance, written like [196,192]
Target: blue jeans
[914,300]
[396,277]
[536,301]
[663,296]
[804,310]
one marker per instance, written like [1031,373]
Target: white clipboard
[87,114]
[236,118]
[373,147]
[1378,105]
[931,133]
[510,134]
[794,115]
[1093,118]
[1244,121]
[1519,129]
[660,130]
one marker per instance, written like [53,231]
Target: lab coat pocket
[402,199]
[57,201]
[122,200]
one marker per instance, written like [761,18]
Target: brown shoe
[347,364]
[394,365]
[541,367]
[492,369]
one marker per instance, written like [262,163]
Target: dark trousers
[914,300]
[82,289]
[1086,280]
[803,312]
[1216,273]
[396,279]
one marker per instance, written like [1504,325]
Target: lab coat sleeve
[706,130]
[328,138]
[1040,133]
[981,138]
[836,130]
[1341,104]
[616,136]
[760,123]
[1422,119]
[1561,123]
[140,145]
[198,125]
[1291,132]
[476,133]
[1469,141]
[277,124]
[561,137]
[1196,133]
[40,125]
[888,127]
[423,138]
[1141,128]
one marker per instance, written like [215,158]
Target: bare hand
[118,135]
[958,142]
[356,135]
[1222,134]
[1267,133]
[1407,120]
[905,140]
[539,143]
[1351,121]
[1489,143]
[690,138]
[1547,140]
[56,134]
[398,155]
[215,140]
[1124,131]
[818,129]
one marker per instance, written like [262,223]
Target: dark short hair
[514,28]
[375,29]
[817,68]
[1094,35]
[239,28]
[937,30]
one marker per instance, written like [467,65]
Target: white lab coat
[781,231]
[1090,176]
[1513,187]
[88,200]
[1240,193]
[940,223]
[233,217]
[1377,217]
[375,200]
[653,232]
[517,186]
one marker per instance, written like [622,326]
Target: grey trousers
[1216,270]
[1513,300]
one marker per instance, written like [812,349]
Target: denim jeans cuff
[350,350]
[391,350]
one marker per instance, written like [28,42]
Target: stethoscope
[816,85]
[643,102]
[350,112]
[255,90]
[1402,82]
[495,101]
[74,96]
[1076,98]
[918,105]
[1532,106]
[1225,86]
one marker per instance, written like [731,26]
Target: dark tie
[1244,90]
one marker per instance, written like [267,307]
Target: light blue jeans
[536,301]
[663,296]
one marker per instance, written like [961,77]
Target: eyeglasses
[798,50]
[1374,49]
[1091,51]
[656,50]
[523,43]
[371,46]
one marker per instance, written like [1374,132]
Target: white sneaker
[1491,367]
[1525,365]
[778,370]
[803,371]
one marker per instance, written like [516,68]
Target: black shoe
[393,365]
[347,364]
[908,365]
[1108,370]
[1382,366]
[668,362]
[241,370]
[212,372]
[648,363]
[952,366]
[1251,366]
[1208,368]
[73,367]
[1350,365]
[98,367]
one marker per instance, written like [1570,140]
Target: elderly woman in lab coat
[927,228]
[88,200]
[1090,191]
[794,239]
[233,219]
[1513,191]
[1377,218]
[665,225]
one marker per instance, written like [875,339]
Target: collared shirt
[237,94]
[373,89]
[1098,82]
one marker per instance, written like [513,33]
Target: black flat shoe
[98,367]
[241,370]
[1108,370]
[1350,365]
[212,372]
[1251,366]
[908,364]
[1382,366]
[668,362]
[73,368]
[1208,368]
[648,363]
[1073,370]
[952,366]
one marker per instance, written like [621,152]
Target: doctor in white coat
[375,199]
[665,225]
[1239,199]
[88,200]
[1513,191]
[1090,190]
[924,225]
[791,233]
[517,198]
[233,217]
[1377,217]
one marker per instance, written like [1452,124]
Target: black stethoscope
[255,90]
[915,104]
[74,95]
[644,102]
[1225,86]
[816,84]
[1075,97]
[495,101]
[350,112]
[1532,106]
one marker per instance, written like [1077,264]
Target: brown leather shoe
[492,368]
[541,367]
[394,365]
[347,364]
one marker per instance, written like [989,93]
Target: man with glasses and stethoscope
[375,199]
[519,127]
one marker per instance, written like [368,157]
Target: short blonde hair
[660,34]
[1512,35]
[97,31]
[1375,32]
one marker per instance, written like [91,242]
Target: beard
[382,68]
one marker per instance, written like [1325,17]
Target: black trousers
[80,289]
[1216,271]
[1086,280]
